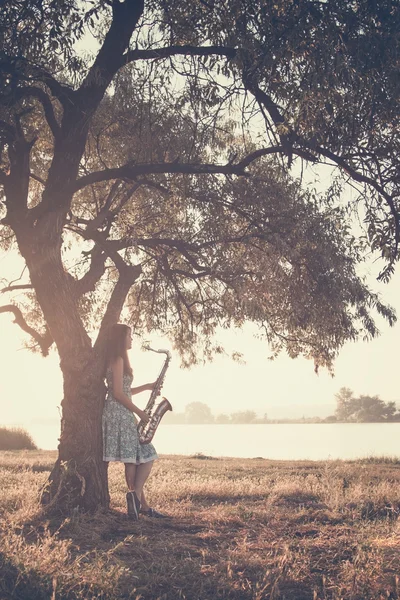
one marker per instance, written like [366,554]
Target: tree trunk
[79,477]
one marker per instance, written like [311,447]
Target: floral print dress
[120,435]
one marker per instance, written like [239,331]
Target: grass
[240,529]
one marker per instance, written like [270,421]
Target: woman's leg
[130,474]
[142,473]
[143,501]
[150,512]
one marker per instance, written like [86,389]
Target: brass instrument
[146,431]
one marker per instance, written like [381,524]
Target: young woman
[120,436]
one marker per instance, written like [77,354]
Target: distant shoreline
[295,422]
[305,421]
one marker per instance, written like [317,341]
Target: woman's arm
[118,390]
[147,387]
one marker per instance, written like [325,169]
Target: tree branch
[245,162]
[125,17]
[39,94]
[110,249]
[12,65]
[8,130]
[12,288]
[130,171]
[87,283]
[371,182]
[161,53]
[287,147]
[37,178]
[183,247]
[44,341]
[263,98]
[133,171]
[105,211]
[116,303]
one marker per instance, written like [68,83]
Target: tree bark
[79,477]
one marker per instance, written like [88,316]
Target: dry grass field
[240,529]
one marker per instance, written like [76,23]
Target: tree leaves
[294,79]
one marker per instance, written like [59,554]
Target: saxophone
[146,431]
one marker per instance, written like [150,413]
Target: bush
[16,439]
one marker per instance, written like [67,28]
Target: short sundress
[120,435]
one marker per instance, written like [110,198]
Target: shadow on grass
[170,559]
[374,511]
[208,499]
[20,584]
[167,559]
[147,549]
[297,498]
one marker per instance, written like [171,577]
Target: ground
[238,529]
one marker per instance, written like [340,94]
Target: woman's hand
[143,416]
[147,387]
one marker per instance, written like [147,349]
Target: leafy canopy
[167,148]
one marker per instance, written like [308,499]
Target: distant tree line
[349,409]
[199,413]
[363,409]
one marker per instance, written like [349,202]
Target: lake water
[275,441]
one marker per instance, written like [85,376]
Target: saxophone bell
[150,428]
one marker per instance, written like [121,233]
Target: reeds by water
[15,438]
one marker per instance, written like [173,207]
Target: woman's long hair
[116,346]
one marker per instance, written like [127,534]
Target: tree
[369,409]
[152,173]
[222,419]
[344,404]
[364,409]
[246,416]
[198,413]
[390,411]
